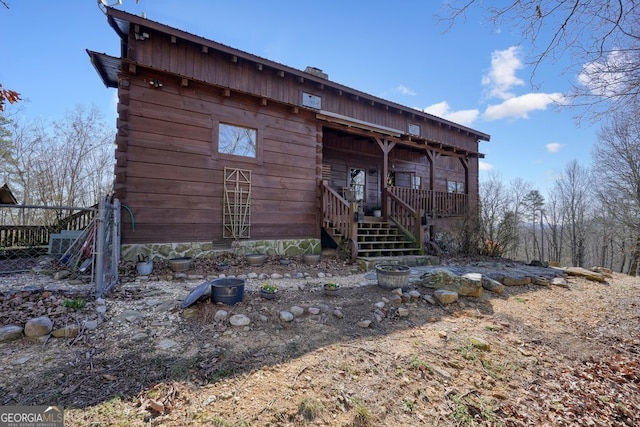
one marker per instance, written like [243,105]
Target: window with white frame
[237,140]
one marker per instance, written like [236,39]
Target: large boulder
[469,284]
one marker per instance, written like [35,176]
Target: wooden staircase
[381,239]
[376,239]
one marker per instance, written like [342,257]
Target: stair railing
[408,219]
[339,214]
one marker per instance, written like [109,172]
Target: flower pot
[377,213]
[331,291]
[144,268]
[227,291]
[391,276]
[267,295]
[255,260]
[180,264]
[310,258]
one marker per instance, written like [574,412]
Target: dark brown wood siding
[173,177]
[185,58]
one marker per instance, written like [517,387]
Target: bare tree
[574,189]
[533,203]
[601,37]
[555,224]
[518,189]
[617,156]
[498,230]
[67,163]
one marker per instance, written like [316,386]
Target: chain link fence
[68,242]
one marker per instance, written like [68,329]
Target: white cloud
[501,77]
[402,89]
[484,166]
[443,110]
[553,147]
[608,77]
[520,106]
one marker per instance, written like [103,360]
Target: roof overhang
[121,22]
[6,196]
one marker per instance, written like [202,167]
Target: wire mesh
[62,241]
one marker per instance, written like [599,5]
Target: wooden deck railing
[339,215]
[24,236]
[434,203]
[405,217]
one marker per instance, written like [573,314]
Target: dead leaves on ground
[592,393]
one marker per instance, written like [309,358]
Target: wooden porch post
[465,164]
[431,156]
[386,146]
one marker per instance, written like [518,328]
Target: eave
[121,22]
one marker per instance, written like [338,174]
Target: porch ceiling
[373,131]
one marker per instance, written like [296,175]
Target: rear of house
[217,147]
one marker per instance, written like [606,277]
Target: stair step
[380,239]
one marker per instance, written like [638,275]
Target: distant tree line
[67,162]
[591,216]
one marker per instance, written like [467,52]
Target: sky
[472,73]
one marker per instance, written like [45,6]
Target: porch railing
[433,203]
[13,235]
[405,217]
[338,214]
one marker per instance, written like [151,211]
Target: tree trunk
[635,257]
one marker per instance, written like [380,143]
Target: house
[6,196]
[219,147]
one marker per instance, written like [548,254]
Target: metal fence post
[99,267]
[115,211]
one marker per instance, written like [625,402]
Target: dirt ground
[534,355]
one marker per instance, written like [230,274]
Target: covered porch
[411,181]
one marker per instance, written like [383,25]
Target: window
[455,187]
[416,182]
[357,183]
[237,140]
[407,180]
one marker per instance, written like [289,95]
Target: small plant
[362,417]
[331,285]
[269,288]
[75,304]
[492,248]
[310,408]
[416,363]
[468,352]
[409,405]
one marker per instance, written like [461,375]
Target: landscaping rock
[285,316]
[38,327]
[239,320]
[492,285]
[10,333]
[466,285]
[445,296]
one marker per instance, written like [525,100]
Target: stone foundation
[290,247]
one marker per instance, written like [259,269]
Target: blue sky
[472,74]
